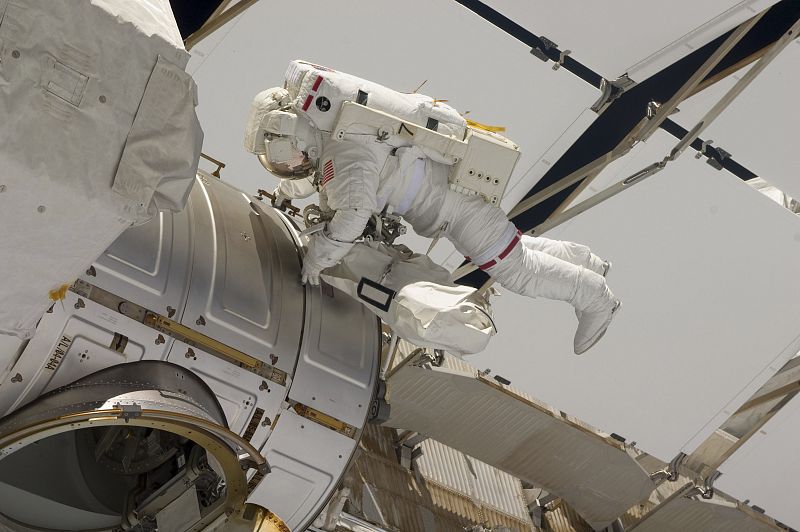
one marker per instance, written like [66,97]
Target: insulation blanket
[415,297]
[97,132]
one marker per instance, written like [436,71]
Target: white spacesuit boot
[572,252]
[537,274]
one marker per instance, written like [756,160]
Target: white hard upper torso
[362,174]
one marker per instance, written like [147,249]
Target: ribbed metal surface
[483,483]
[688,515]
[410,501]
[562,518]
[599,479]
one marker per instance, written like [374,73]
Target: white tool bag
[97,132]
[415,297]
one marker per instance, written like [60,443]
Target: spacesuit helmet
[272,134]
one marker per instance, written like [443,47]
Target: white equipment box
[486,167]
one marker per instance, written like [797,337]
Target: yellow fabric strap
[485,127]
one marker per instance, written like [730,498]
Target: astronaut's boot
[595,306]
[572,252]
[537,274]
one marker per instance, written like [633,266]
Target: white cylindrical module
[215,289]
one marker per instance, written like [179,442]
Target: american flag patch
[327,171]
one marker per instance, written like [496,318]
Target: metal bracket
[286,206]
[669,473]
[435,358]
[246,462]
[541,51]
[707,491]
[384,227]
[408,450]
[220,164]
[129,412]
[561,57]
[714,156]
[379,409]
[610,90]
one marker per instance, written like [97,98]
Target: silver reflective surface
[224,271]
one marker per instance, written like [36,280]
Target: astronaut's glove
[323,252]
[311,271]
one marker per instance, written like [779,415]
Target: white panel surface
[707,271]
[306,460]
[339,357]
[238,391]
[149,263]
[244,290]
[641,38]
[72,342]
[765,469]
[451,404]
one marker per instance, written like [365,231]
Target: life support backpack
[482,161]
[319,92]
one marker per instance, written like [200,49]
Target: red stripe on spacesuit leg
[307,103]
[503,254]
[487,265]
[317,83]
[510,246]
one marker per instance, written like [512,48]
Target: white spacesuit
[358,176]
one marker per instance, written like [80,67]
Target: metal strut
[656,118]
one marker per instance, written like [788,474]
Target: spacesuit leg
[537,274]
[482,232]
[573,252]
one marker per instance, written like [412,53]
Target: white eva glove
[323,252]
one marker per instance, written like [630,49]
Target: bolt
[2,188]
[266,423]
[273,359]
[264,386]
[102,99]
[15,54]
[80,304]
[91,272]
[190,354]
[200,321]
[16,378]
[160,339]
[170,311]
[41,208]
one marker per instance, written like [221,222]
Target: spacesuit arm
[327,247]
[350,175]
[295,188]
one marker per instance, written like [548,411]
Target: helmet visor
[284,160]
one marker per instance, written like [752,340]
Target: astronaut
[357,177]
